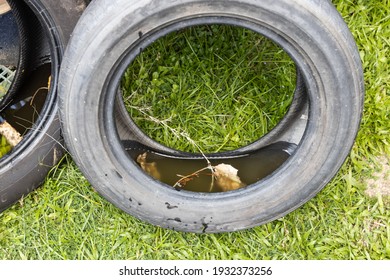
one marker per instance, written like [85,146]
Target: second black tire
[111,33]
[26,167]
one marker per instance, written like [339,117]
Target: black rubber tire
[33,50]
[112,32]
[9,39]
[14,47]
[26,167]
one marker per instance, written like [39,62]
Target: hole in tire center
[26,107]
[22,111]
[9,48]
[210,89]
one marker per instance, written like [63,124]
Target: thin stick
[176,133]
[189,139]
[36,92]
[188,177]
[41,88]
[212,178]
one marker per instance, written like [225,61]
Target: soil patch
[380,183]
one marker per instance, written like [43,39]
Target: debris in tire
[226,177]
[11,134]
[148,167]
[220,174]
[223,177]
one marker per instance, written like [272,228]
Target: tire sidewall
[26,167]
[313,34]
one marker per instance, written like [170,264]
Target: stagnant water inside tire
[25,108]
[214,174]
[208,89]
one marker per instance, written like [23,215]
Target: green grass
[66,219]
[4,146]
[223,86]
[3,91]
[5,79]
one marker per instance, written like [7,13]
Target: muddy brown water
[251,167]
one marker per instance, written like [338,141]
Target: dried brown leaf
[226,177]
[148,167]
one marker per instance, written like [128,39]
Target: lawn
[349,219]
